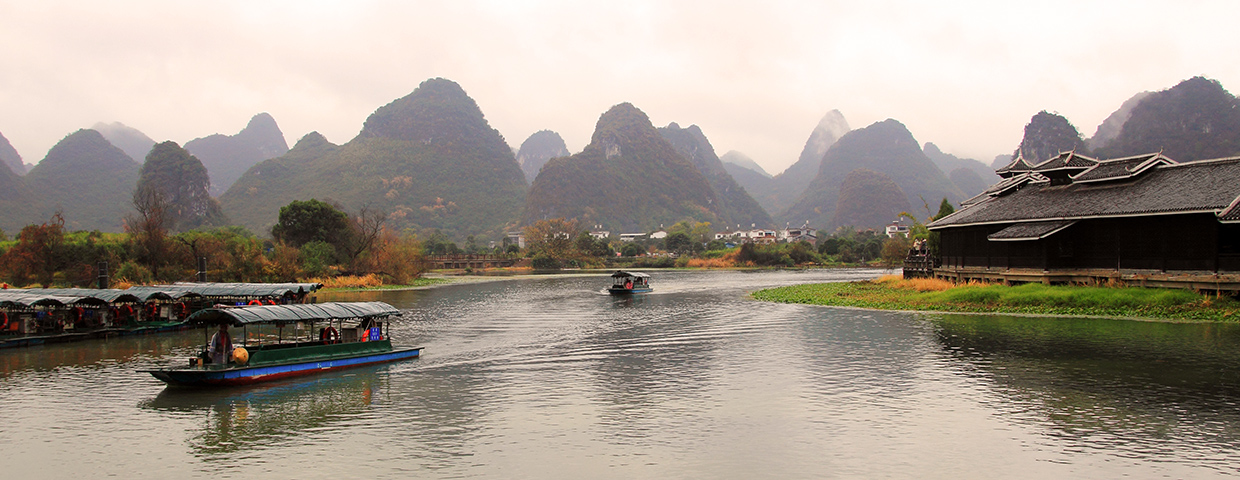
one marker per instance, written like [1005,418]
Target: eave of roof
[1029,231]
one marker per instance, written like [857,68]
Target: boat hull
[629,291]
[245,375]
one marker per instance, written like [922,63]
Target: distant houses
[1144,220]
[767,236]
[896,228]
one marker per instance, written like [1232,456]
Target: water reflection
[545,377]
[1137,389]
[236,419]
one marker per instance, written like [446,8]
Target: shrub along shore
[893,293]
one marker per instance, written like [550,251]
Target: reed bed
[349,281]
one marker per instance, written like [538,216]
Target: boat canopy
[22,299]
[147,293]
[622,273]
[241,289]
[301,312]
[109,295]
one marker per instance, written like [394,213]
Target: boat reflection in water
[1127,389]
[237,419]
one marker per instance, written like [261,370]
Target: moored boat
[298,339]
[625,283]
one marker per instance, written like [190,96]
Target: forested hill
[10,157]
[228,156]
[869,199]
[885,147]
[628,179]
[536,150]
[428,160]
[1047,135]
[1194,120]
[85,176]
[736,207]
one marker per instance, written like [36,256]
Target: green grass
[1126,302]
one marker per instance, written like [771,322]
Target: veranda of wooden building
[1143,221]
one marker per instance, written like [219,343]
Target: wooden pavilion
[1142,220]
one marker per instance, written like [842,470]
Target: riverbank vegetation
[894,293]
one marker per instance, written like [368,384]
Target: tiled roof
[1016,167]
[1203,186]
[1121,168]
[1066,161]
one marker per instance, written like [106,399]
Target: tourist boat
[290,340]
[625,283]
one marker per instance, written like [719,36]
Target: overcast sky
[756,76]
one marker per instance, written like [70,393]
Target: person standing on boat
[220,349]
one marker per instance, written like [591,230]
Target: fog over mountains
[130,140]
[430,161]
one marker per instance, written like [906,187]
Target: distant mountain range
[629,179]
[735,207]
[887,148]
[783,190]
[228,156]
[971,176]
[429,160]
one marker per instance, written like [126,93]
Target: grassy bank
[894,293]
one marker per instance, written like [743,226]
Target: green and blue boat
[282,341]
[627,283]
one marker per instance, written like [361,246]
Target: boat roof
[23,299]
[248,290]
[109,295]
[298,312]
[622,273]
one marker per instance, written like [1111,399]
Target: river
[546,377]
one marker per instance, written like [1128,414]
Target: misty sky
[756,76]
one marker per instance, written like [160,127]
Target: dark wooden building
[1143,220]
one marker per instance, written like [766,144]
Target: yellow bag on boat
[240,355]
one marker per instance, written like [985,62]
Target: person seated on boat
[221,347]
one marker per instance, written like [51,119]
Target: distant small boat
[364,341]
[627,283]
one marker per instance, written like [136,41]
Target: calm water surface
[548,378]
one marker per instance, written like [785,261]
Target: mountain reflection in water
[1114,386]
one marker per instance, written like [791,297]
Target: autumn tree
[148,226]
[38,253]
[553,238]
